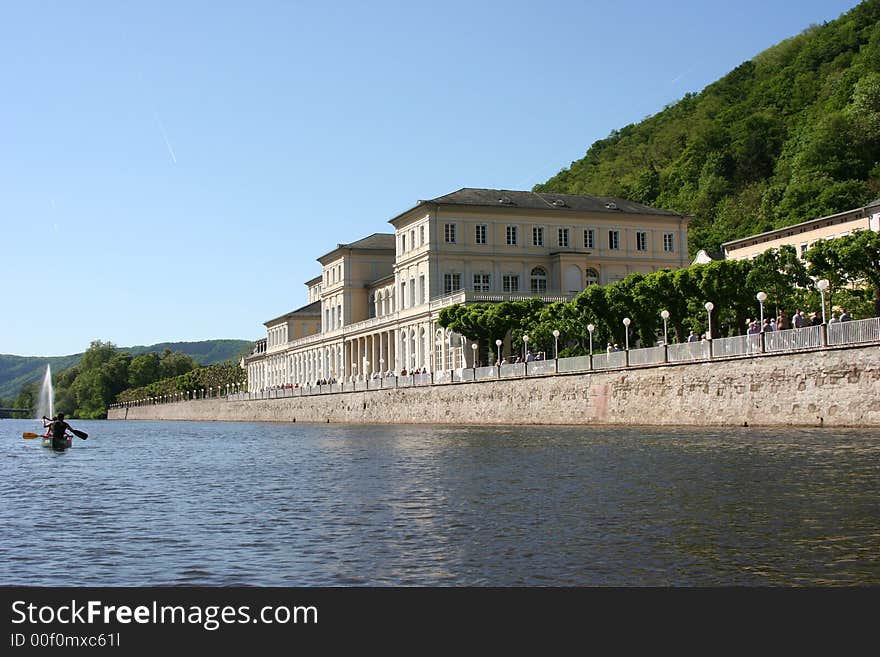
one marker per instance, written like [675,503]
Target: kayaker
[47,425]
[59,428]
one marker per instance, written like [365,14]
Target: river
[223,504]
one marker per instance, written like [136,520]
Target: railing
[791,340]
[677,353]
[855,331]
[739,345]
[647,356]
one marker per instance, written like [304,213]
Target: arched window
[539,280]
[591,276]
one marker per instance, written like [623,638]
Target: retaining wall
[835,387]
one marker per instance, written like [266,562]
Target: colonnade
[414,346]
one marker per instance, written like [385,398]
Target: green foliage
[220,374]
[791,135]
[848,261]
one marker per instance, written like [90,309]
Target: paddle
[28,435]
[79,434]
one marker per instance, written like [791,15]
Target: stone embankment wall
[836,387]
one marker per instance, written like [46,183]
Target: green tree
[850,260]
[777,272]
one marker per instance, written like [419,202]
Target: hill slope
[17,371]
[790,135]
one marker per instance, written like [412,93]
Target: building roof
[310,310]
[776,232]
[374,242]
[469,196]
[317,279]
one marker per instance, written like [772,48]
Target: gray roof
[375,241]
[310,310]
[544,201]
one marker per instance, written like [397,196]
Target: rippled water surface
[153,503]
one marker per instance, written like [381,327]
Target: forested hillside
[790,135]
[17,371]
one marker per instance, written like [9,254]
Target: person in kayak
[47,425]
[59,430]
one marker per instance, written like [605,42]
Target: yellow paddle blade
[28,434]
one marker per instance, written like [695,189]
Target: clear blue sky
[171,170]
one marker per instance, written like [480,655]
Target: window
[422,289]
[641,240]
[412,239]
[669,242]
[511,282]
[481,282]
[412,292]
[421,236]
[589,238]
[339,319]
[563,237]
[480,234]
[538,236]
[613,239]
[451,283]
[803,249]
[449,233]
[591,276]
[371,306]
[402,294]
[512,238]
[403,243]
[539,280]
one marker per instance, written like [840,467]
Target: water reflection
[270,504]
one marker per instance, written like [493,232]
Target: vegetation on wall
[788,136]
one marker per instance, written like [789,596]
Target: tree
[776,272]
[144,369]
[853,260]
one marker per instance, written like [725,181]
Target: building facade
[375,306]
[803,235]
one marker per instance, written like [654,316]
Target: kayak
[46,441]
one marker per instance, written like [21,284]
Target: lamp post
[498,358]
[626,322]
[822,285]
[556,341]
[525,346]
[761,297]
[709,306]
[590,329]
[665,315]
[474,350]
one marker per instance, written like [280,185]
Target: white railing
[574,364]
[793,339]
[738,345]
[536,367]
[646,356]
[855,331]
[485,373]
[686,351]
[513,369]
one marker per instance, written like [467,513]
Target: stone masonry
[834,387]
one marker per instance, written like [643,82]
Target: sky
[171,171]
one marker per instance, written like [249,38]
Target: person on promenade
[816,319]
[845,316]
[781,322]
[833,319]
[692,337]
[772,324]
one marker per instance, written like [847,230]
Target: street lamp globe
[626,322]
[556,342]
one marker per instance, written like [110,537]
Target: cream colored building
[803,235]
[375,306]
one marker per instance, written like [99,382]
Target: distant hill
[17,371]
[790,135]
